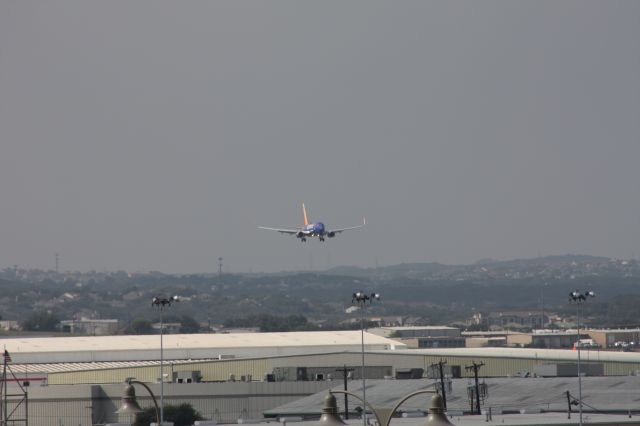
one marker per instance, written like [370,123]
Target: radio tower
[57,262]
[219,268]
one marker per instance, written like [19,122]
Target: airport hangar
[79,380]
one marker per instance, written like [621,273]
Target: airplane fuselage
[312,229]
[315,229]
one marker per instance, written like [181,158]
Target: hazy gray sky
[156,135]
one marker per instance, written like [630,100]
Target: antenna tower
[13,406]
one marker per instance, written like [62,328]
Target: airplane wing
[337,231]
[284,231]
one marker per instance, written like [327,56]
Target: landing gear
[304,240]
[321,238]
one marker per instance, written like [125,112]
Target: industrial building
[608,338]
[188,346]
[256,356]
[230,376]
[423,336]
[86,405]
[501,395]
[499,362]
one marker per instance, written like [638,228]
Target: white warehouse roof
[188,346]
[587,355]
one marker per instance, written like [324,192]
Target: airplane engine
[300,234]
[331,234]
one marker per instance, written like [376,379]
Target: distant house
[93,327]
[531,320]
[432,336]
[623,339]
[236,330]
[168,327]
[8,325]
[556,339]
[481,339]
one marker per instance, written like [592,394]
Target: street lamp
[436,416]
[579,298]
[161,303]
[360,298]
[129,404]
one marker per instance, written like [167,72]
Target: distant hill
[548,266]
[546,260]
[433,292]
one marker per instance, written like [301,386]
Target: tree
[272,323]
[41,321]
[181,415]
[189,325]
[139,326]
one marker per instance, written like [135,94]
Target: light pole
[436,417]
[161,303]
[129,403]
[579,298]
[360,298]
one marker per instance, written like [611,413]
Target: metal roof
[65,367]
[418,327]
[529,353]
[599,394]
[98,348]
[526,419]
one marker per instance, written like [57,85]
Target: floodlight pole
[161,367]
[579,298]
[579,314]
[364,388]
[161,303]
[361,299]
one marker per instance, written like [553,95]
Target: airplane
[312,229]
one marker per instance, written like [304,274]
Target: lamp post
[436,410]
[129,404]
[360,298]
[579,298]
[161,303]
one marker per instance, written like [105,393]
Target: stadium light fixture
[579,298]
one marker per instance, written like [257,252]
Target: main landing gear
[321,238]
[304,240]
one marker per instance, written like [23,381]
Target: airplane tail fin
[304,213]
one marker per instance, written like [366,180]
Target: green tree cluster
[272,323]
[41,321]
[181,415]
[139,326]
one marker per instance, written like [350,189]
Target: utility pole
[440,365]
[475,367]
[219,269]
[345,372]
